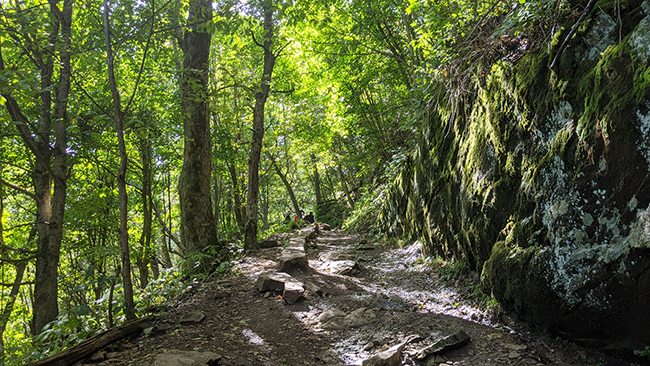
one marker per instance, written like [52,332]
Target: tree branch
[144,58]
[17,188]
[565,43]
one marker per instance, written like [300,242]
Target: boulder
[549,196]
[325,227]
[187,358]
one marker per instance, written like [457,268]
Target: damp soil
[248,327]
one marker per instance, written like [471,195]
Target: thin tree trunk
[145,257]
[344,184]
[319,197]
[15,288]
[287,185]
[198,229]
[167,230]
[121,175]
[50,162]
[9,305]
[250,229]
[236,195]
[265,204]
[217,200]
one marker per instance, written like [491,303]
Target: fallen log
[69,356]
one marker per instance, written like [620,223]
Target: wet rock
[292,258]
[193,317]
[187,358]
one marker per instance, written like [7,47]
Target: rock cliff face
[540,179]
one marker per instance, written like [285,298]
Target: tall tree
[36,131]
[250,228]
[198,229]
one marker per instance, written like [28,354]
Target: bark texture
[50,160]
[198,229]
[250,229]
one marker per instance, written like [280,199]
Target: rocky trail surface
[323,297]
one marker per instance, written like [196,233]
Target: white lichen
[559,118]
[640,40]
[600,36]
[631,205]
[644,127]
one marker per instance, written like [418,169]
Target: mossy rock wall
[540,179]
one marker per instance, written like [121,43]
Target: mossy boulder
[540,179]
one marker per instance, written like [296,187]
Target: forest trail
[375,303]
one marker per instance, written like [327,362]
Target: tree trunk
[344,184]
[319,197]
[118,117]
[15,288]
[287,185]
[146,254]
[197,220]
[265,204]
[236,192]
[91,345]
[50,162]
[217,201]
[250,229]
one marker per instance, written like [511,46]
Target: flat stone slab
[389,357]
[336,255]
[292,258]
[187,358]
[336,319]
[342,267]
[451,342]
[269,244]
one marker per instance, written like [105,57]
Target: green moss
[605,90]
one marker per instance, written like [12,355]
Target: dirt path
[248,327]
